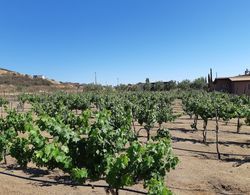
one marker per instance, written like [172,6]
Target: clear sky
[69,40]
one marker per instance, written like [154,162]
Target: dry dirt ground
[199,171]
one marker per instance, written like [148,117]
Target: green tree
[147,85]
[199,83]
[170,85]
[184,85]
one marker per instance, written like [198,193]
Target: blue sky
[126,39]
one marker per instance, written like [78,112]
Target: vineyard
[124,139]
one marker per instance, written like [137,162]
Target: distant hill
[14,81]
[9,77]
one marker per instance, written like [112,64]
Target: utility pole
[118,82]
[95,79]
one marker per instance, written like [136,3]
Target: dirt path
[200,172]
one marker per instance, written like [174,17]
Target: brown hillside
[8,77]
[14,81]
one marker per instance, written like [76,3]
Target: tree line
[197,84]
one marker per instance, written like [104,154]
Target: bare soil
[199,171]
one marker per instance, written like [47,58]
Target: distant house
[236,85]
[39,77]
[162,83]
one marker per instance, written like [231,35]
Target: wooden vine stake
[217,134]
